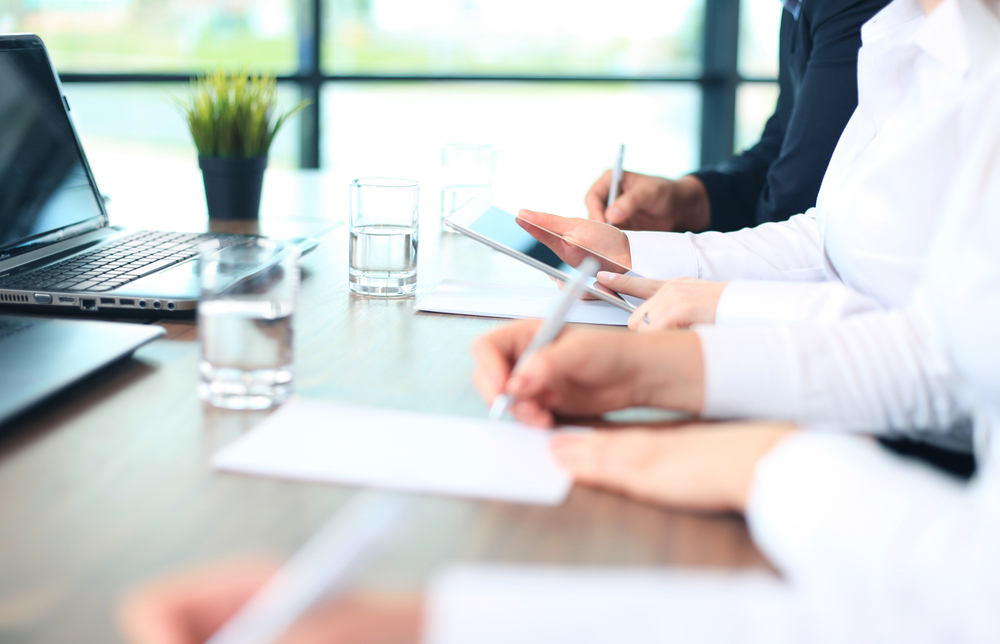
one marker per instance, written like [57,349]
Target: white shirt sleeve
[766,303]
[492,604]
[908,553]
[787,250]
[885,372]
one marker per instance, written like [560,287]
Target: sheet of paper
[398,450]
[494,301]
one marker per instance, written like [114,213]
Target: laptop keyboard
[112,265]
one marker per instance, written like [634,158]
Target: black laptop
[57,247]
[40,357]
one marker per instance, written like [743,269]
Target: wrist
[691,198]
[670,371]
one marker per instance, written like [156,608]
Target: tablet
[502,231]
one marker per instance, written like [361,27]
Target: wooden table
[110,485]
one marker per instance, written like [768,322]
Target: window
[160,35]
[512,37]
[420,73]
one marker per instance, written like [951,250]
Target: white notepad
[398,450]
[494,301]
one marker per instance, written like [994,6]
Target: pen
[550,327]
[616,175]
[320,569]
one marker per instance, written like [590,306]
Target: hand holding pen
[549,329]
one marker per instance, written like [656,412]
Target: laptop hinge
[57,250]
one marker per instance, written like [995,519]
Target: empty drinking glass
[248,295]
[384,232]
[466,172]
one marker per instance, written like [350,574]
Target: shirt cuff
[746,303]
[749,373]
[662,255]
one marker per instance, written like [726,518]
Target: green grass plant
[233,113]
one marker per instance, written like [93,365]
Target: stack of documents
[397,450]
[490,300]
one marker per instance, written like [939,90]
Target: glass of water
[383,254]
[248,295]
[467,172]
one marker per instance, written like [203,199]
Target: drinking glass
[383,253]
[467,172]
[248,296]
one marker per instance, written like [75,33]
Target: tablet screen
[505,229]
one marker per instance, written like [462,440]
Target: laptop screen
[45,189]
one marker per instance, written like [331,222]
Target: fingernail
[515,384]
[614,212]
[606,276]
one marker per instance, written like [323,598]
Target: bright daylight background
[553,138]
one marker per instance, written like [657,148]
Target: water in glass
[246,353]
[383,260]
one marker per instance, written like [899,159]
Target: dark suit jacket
[780,176]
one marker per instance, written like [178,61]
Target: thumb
[554,223]
[626,205]
[640,287]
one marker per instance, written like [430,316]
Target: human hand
[602,239]
[670,304]
[705,467]
[589,372]
[651,203]
[188,607]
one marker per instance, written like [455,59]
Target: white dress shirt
[863,245]
[871,547]
[877,370]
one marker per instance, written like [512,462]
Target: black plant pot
[232,186]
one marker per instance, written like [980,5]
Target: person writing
[862,247]
[780,175]
[870,547]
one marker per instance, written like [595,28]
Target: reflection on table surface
[110,485]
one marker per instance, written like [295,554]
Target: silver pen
[616,175]
[550,327]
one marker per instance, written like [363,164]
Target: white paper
[494,301]
[398,450]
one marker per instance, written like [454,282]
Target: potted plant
[233,120]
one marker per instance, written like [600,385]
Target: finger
[552,223]
[604,459]
[627,204]
[530,413]
[496,353]
[538,374]
[597,197]
[487,387]
[640,287]
[639,320]
[584,457]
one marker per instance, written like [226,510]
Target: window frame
[719,79]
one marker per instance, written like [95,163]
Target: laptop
[58,250]
[40,357]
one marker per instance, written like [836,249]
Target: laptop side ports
[88,304]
